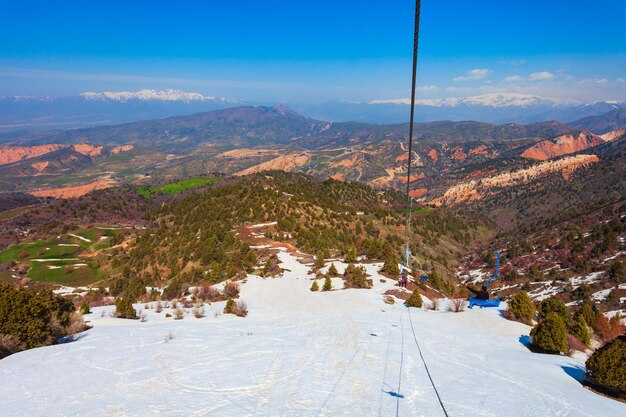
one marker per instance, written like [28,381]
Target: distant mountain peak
[149,95]
[491,100]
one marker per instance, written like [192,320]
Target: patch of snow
[299,353]
[69,244]
[601,295]
[256,226]
[54,260]
[79,237]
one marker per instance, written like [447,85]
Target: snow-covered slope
[343,353]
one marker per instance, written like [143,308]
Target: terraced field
[67,259]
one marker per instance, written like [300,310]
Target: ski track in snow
[298,353]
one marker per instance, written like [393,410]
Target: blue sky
[312,51]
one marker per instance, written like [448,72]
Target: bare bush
[187,303]
[457,305]
[231,289]
[142,317]
[178,313]
[76,324]
[158,307]
[198,312]
[208,293]
[436,304]
[240,309]
[575,344]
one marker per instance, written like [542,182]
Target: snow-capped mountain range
[150,95]
[111,107]
[491,100]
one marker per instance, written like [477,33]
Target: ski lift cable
[419,349]
[408,187]
[409,204]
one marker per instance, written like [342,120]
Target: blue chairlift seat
[484,303]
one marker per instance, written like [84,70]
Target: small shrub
[158,308]
[84,308]
[231,289]
[328,284]
[332,270]
[415,300]
[315,286]
[522,307]
[435,304]
[389,299]
[607,365]
[168,315]
[23,254]
[228,308]
[179,313]
[124,309]
[550,335]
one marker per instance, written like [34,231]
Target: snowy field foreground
[343,353]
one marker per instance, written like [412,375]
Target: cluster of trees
[557,331]
[192,239]
[31,319]
[556,327]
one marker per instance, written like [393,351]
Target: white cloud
[514,62]
[513,78]
[475,74]
[427,88]
[540,76]
[621,80]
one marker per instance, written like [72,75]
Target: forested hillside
[195,238]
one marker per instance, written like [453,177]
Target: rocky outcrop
[475,189]
[75,190]
[87,149]
[282,163]
[562,145]
[10,154]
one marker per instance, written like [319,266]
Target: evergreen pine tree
[319,260]
[328,284]
[315,286]
[581,330]
[608,364]
[332,270]
[124,309]
[351,256]
[522,307]
[554,305]
[550,335]
[587,312]
[415,300]
[391,266]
